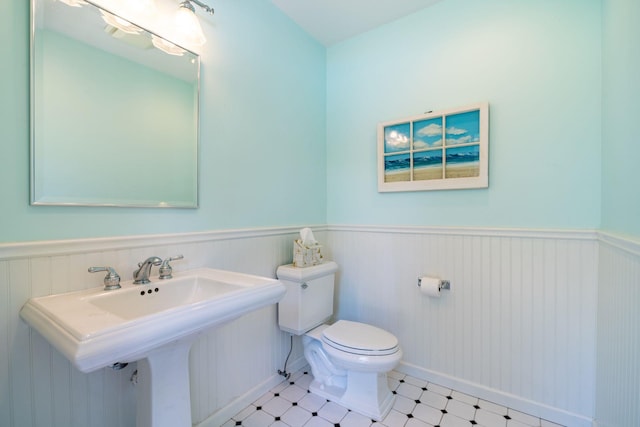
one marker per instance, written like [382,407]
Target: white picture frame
[438,150]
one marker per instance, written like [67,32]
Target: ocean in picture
[463,162]
[397,168]
[460,162]
[427,165]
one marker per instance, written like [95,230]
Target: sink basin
[153,324]
[181,291]
[94,328]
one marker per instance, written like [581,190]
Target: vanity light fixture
[166,46]
[125,12]
[207,8]
[187,22]
[139,8]
[120,23]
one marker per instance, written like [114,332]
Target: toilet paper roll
[430,286]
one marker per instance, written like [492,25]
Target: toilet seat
[360,339]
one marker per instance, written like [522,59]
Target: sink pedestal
[163,386]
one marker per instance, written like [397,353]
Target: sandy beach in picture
[462,170]
[452,170]
[397,176]
[423,174]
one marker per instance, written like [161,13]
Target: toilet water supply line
[284,372]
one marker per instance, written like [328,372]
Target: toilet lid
[359,338]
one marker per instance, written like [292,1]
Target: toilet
[349,360]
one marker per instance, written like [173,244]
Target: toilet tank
[308,301]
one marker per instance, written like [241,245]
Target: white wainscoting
[229,366]
[518,326]
[618,373]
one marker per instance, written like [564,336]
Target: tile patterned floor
[418,404]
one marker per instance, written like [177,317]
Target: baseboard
[536,409]
[223,415]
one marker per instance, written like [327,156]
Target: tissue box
[305,256]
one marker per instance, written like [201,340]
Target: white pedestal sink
[154,324]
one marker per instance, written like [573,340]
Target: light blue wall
[264,129]
[617,391]
[262,133]
[620,136]
[538,65]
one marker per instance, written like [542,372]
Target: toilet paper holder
[444,284]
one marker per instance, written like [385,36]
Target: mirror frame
[32,126]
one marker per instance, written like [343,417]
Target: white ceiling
[331,21]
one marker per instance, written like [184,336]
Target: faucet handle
[111,280]
[166,271]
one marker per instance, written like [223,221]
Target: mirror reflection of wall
[114,118]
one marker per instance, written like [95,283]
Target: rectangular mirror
[114,111]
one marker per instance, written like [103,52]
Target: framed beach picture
[439,150]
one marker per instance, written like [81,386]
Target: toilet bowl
[349,360]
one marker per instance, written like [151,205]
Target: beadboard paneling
[39,387]
[518,325]
[618,373]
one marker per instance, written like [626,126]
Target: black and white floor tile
[418,404]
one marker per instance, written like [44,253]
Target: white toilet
[349,360]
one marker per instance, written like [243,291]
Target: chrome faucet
[141,275]
[111,280]
[166,271]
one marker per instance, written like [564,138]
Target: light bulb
[140,7]
[188,26]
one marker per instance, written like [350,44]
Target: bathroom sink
[157,299]
[153,324]
[94,328]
